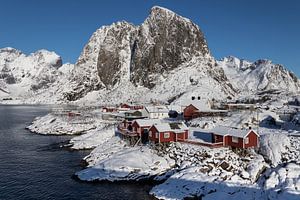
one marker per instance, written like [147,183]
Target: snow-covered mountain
[166,58]
[23,75]
[127,62]
[261,75]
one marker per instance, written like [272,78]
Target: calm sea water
[34,167]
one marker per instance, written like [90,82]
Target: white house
[157,112]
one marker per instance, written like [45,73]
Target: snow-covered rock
[193,183]
[64,125]
[282,182]
[273,146]
[93,138]
[132,163]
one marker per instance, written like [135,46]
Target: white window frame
[235,139]
[246,140]
[166,135]
[156,135]
[150,133]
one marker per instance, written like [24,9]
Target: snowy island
[194,126]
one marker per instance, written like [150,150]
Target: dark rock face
[165,40]
[118,39]
[58,63]
[7,75]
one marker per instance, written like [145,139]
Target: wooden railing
[125,131]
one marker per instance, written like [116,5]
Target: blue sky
[249,29]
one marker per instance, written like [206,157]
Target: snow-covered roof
[177,108]
[157,109]
[147,122]
[201,105]
[174,127]
[223,130]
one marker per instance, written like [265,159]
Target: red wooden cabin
[168,132]
[141,125]
[237,138]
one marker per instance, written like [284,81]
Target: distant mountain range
[166,58]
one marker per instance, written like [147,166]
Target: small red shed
[237,138]
[194,107]
[109,109]
[127,106]
[189,112]
[201,109]
[168,132]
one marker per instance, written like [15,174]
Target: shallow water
[35,167]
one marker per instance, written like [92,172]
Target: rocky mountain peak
[10,50]
[47,57]
[140,54]
[164,41]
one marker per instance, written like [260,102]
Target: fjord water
[35,167]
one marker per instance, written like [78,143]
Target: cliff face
[115,54]
[138,53]
[164,41]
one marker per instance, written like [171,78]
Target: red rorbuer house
[201,109]
[141,126]
[237,138]
[168,132]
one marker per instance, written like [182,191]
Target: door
[145,136]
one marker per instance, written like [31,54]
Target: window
[166,135]
[134,129]
[246,140]
[156,135]
[150,133]
[235,139]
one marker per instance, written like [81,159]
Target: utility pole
[257,109]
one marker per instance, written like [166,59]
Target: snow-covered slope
[260,75]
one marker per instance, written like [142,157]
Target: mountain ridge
[165,58]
